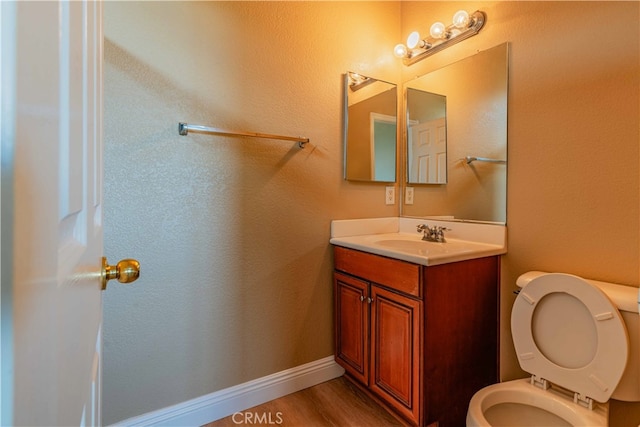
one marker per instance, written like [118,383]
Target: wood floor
[336,403]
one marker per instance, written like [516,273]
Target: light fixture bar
[476,22]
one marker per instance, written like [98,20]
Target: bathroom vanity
[419,334]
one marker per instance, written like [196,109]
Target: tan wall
[232,234]
[573,117]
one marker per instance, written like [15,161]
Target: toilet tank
[627,299]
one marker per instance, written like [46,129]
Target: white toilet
[580,341]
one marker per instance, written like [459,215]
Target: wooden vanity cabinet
[421,339]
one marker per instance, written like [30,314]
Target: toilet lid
[568,332]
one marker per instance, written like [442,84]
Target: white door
[52,157]
[428,152]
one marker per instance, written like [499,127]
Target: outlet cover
[408,196]
[390,195]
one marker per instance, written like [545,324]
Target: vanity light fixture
[440,36]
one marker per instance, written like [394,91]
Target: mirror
[474,94]
[370,129]
[426,137]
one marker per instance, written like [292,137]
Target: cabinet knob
[369,300]
[361,298]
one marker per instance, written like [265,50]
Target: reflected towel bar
[471,159]
[184,128]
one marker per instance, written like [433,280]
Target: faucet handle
[439,230]
[439,233]
[422,227]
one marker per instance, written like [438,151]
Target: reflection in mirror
[370,129]
[476,126]
[426,137]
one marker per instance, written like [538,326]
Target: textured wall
[232,234]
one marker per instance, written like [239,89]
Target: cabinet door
[395,351]
[352,325]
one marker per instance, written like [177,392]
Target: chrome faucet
[433,234]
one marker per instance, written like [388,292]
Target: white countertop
[397,238]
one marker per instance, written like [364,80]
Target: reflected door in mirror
[428,152]
[426,137]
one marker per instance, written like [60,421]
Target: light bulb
[355,78]
[461,19]
[400,51]
[413,40]
[437,30]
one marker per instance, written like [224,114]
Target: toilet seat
[568,332]
[521,392]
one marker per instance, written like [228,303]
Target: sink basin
[421,247]
[427,248]
[410,247]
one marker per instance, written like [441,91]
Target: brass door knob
[126,271]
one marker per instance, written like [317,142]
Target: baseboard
[220,404]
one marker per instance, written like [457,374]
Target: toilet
[579,339]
